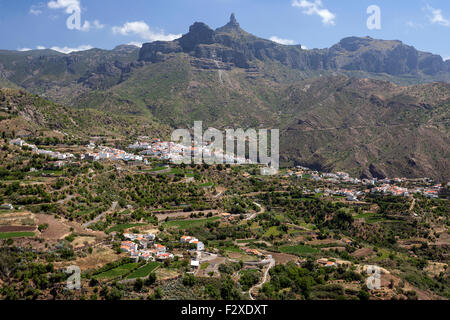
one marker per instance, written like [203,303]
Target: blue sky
[31,24]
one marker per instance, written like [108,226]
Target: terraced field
[144,271]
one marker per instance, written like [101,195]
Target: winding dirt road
[265,278]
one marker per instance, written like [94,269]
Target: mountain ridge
[231,44]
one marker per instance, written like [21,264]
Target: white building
[200,246]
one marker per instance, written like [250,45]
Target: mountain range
[372,107]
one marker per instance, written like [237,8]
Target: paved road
[99,217]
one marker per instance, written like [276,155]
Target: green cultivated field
[298,249]
[117,272]
[144,271]
[370,217]
[185,224]
[8,235]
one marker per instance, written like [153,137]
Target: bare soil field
[435,268]
[80,230]
[99,257]
[444,239]
[56,228]
[364,252]
[241,256]
[166,274]
[324,242]
[281,258]
[333,248]
[17,218]
[17,228]
[82,241]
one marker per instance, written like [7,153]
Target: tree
[151,279]
[158,293]
[363,295]
[138,284]
[189,280]
[212,291]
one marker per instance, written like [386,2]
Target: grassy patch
[156,169]
[204,265]
[370,217]
[272,231]
[206,185]
[121,227]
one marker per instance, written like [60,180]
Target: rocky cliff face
[231,44]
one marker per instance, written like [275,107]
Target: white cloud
[142,29]
[316,8]
[448,58]
[135,43]
[24,49]
[36,9]
[68,5]
[35,12]
[66,49]
[282,41]
[87,26]
[69,50]
[437,17]
[98,25]
[414,25]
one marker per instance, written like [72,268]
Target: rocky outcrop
[157,51]
[231,44]
[199,33]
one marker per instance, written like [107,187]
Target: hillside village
[225,223]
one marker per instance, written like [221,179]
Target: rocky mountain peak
[232,26]
[199,33]
[233,21]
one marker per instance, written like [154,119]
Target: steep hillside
[368,127]
[25,114]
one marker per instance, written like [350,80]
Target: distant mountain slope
[30,115]
[232,45]
[368,127]
[61,76]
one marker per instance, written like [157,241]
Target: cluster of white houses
[52,154]
[344,177]
[107,153]
[383,186]
[142,246]
[431,192]
[171,151]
